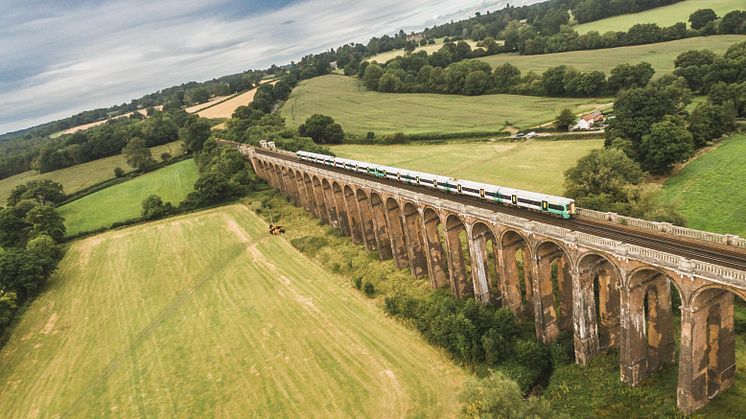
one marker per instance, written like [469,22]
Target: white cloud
[59,62]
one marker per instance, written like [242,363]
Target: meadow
[535,165]
[123,201]
[710,191]
[226,108]
[661,55]
[359,110]
[388,55]
[207,315]
[663,16]
[81,176]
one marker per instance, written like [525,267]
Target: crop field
[124,201]
[207,315]
[661,55]
[225,109]
[710,190]
[663,16]
[532,165]
[359,110]
[83,175]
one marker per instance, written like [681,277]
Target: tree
[733,22]
[200,95]
[506,76]
[138,155]
[553,80]
[625,76]
[373,74]
[118,172]
[153,207]
[44,190]
[477,82]
[668,143]
[565,120]
[195,134]
[45,220]
[702,17]
[165,156]
[322,129]
[601,179]
[709,122]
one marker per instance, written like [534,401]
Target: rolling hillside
[360,111]
[661,55]
[663,16]
[207,315]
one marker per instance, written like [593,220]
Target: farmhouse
[587,121]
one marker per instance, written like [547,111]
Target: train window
[435,183]
[544,205]
[398,176]
[458,187]
[418,180]
[481,193]
[514,199]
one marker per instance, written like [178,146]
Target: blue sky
[60,57]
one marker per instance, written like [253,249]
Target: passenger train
[555,205]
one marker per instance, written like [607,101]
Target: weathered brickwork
[606,293]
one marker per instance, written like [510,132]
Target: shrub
[496,396]
[532,354]
[369,289]
[358,283]
[165,156]
[118,172]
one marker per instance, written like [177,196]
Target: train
[549,204]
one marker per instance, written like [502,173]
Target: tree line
[30,230]
[653,130]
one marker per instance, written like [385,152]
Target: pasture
[663,16]
[533,165]
[207,315]
[359,110]
[81,176]
[124,201]
[710,191]
[388,55]
[661,55]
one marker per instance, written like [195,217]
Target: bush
[358,283]
[153,207]
[165,156]
[532,354]
[496,396]
[369,289]
[118,172]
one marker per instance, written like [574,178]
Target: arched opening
[292,186]
[458,251]
[383,240]
[649,339]
[555,291]
[366,220]
[485,253]
[516,275]
[318,192]
[707,363]
[331,205]
[396,229]
[353,214]
[312,204]
[415,240]
[433,233]
[300,186]
[606,284]
[339,203]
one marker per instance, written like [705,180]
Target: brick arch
[457,239]
[396,229]
[413,232]
[378,214]
[517,281]
[553,280]
[343,222]
[600,281]
[485,266]
[434,236]
[366,218]
[318,193]
[353,215]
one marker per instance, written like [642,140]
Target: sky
[60,57]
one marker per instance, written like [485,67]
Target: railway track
[696,250]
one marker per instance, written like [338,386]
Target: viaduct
[611,281]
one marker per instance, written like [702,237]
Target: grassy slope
[360,111]
[385,56]
[710,190]
[533,165]
[663,16]
[81,176]
[123,201]
[661,55]
[207,315]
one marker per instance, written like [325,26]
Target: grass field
[661,55]
[124,201]
[207,315]
[225,109]
[710,190]
[359,110]
[663,16]
[533,165]
[81,176]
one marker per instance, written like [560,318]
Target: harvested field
[225,109]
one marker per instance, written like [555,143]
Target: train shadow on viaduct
[606,293]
